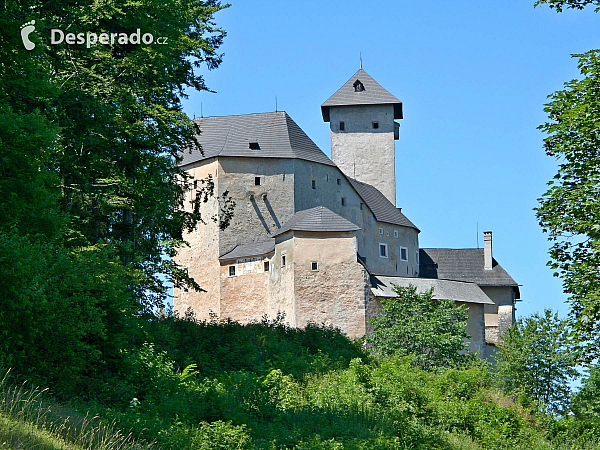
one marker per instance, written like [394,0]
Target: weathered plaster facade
[362,151]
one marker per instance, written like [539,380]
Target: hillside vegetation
[266,386]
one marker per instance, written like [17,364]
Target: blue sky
[473,78]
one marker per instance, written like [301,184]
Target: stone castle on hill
[321,239]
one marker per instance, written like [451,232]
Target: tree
[536,359]
[586,402]
[90,192]
[569,4]
[570,210]
[432,331]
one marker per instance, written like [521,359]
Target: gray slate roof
[278,136]
[317,219]
[374,94]
[382,208]
[442,289]
[247,250]
[462,265]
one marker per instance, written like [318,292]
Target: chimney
[487,250]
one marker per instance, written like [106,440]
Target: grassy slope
[18,434]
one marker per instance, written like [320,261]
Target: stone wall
[245,296]
[500,315]
[201,257]
[334,294]
[362,152]
[260,210]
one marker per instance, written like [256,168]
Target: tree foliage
[536,359]
[559,5]
[570,210]
[432,331]
[91,197]
[586,401]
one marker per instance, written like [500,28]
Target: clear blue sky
[473,77]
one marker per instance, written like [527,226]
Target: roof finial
[201,111]
[360,53]
[275,103]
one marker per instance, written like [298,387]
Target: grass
[29,419]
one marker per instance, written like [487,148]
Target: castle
[318,239]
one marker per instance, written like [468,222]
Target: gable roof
[247,250]
[373,94]
[464,264]
[383,209]
[317,219]
[277,135]
[442,289]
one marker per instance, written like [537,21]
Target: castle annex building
[321,239]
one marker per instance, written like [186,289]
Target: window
[253,146]
[396,234]
[343,201]
[314,266]
[381,231]
[375,125]
[417,256]
[257,181]
[362,205]
[403,254]
[195,184]
[339,181]
[313,184]
[342,126]
[266,266]
[383,250]
[358,86]
[232,271]
[282,260]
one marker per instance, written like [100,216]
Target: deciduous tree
[536,359]
[432,331]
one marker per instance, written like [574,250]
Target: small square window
[343,201]
[253,146]
[339,181]
[232,271]
[314,266]
[381,231]
[403,253]
[266,266]
[313,184]
[383,250]
[257,181]
[342,126]
[396,234]
[375,125]
[282,260]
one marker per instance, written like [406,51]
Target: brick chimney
[487,250]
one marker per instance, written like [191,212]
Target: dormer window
[253,146]
[358,86]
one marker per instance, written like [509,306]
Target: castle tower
[361,116]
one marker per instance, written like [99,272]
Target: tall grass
[30,419]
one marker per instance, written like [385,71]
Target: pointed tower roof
[263,135]
[361,89]
[317,219]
